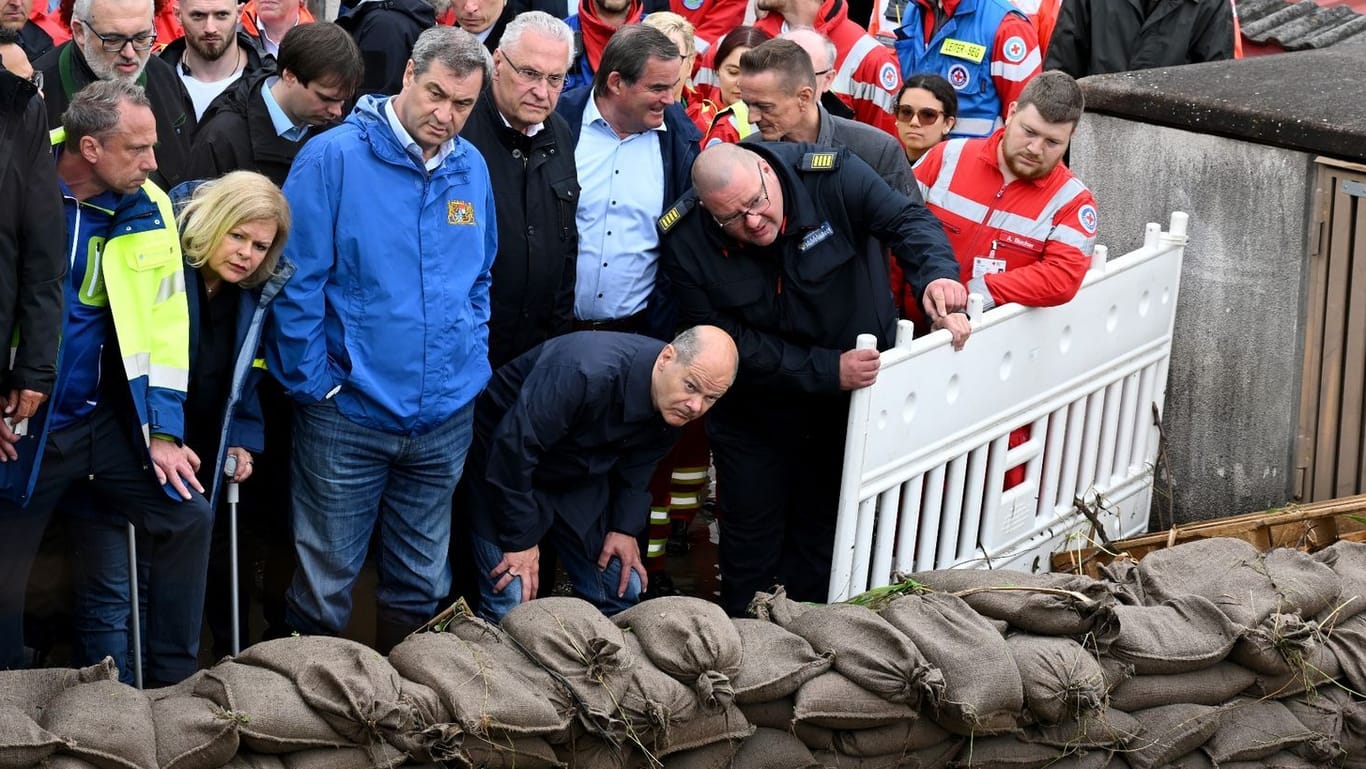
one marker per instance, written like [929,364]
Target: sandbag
[1278,645]
[1282,760]
[774,662]
[1104,729]
[508,753]
[773,749]
[814,737]
[185,688]
[22,742]
[1348,644]
[1170,732]
[31,690]
[64,761]
[936,757]
[770,715]
[899,737]
[691,640]
[776,607]
[1334,713]
[1247,585]
[1250,730]
[598,753]
[982,691]
[248,760]
[1318,668]
[715,756]
[871,652]
[477,690]
[1033,603]
[1006,753]
[106,723]
[194,733]
[1180,635]
[277,719]
[1060,678]
[1348,561]
[834,702]
[377,756]
[1212,686]
[679,720]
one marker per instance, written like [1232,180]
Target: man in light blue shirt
[634,151]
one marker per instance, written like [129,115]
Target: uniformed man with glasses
[770,245]
[112,40]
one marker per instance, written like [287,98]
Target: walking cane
[230,470]
[133,598]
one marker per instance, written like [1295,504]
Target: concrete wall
[1233,389]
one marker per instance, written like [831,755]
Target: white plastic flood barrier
[927,451]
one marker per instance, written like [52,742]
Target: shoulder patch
[1087,217]
[677,211]
[888,77]
[820,161]
[1015,50]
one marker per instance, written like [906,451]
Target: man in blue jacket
[381,338]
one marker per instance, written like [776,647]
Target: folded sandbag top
[1208,654]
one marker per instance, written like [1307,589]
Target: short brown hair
[789,60]
[324,52]
[1055,95]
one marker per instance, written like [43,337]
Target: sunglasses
[927,115]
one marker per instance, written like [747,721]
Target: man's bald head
[741,191]
[692,373]
[716,166]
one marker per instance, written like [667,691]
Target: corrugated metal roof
[1296,26]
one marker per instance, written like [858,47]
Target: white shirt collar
[531,130]
[412,146]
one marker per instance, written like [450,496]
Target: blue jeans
[346,479]
[598,587]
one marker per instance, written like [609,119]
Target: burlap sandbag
[1247,585]
[1090,759]
[478,691]
[871,652]
[248,760]
[1348,644]
[1005,752]
[1115,671]
[776,714]
[65,761]
[1334,713]
[1250,730]
[194,733]
[936,757]
[106,723]
[508,752]
[30,690]
[22,742]
[1061,679]
[814,737]
[1278,645]
[773,749]
[185,688]
[1108,728]
[277,719]
[1181,635]
[1282,760]
[690,639]
[1348,562]
[982,691]
[904,736]
[776,607]
[1196,759]
[1211,686]
[598,753]
[715,756]
[834,702]
[377,756]
[775,663]
[1043,604]
[1170,732]
[1318,668]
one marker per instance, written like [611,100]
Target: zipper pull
[992,255]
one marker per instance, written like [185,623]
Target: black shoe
[661,584]
[678,543]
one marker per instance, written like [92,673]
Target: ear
[949,123]
[614,81]
[807,95]
[666,355]
[408,74]
[1010,111]
[90,149]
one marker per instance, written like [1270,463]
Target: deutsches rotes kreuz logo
[888,76]
[1087,217]
[1015,50]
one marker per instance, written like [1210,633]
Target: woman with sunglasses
[926,110]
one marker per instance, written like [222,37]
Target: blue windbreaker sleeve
[248,428]
[296,341]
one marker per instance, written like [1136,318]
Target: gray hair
[94,110]
[457,49]
[543,24]
[80,11]
[687,345]
[827,45]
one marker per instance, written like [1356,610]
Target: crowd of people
[459,283]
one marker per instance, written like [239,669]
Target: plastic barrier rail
[925,460]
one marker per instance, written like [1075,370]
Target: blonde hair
[222,204]
[671,23]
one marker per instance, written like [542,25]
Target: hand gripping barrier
[927,450]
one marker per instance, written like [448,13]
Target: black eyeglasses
[528,76]
[823,72]
[759,206]
[142,41]
[927,115]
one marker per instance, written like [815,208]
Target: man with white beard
[112,40]
[213,53]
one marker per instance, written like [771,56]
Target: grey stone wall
[1233,388]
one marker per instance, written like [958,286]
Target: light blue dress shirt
[284,127]
[622,196]
[409,144]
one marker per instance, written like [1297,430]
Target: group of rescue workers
[541,245]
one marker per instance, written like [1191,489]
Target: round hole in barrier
[908,408]
[1112,319]
[1166,295]
[1007,362]
[951,392]
[1143,302]
[882,419]
[1065,339]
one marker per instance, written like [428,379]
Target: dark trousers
[102,450]
[778,481]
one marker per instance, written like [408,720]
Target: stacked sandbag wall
[1207,654]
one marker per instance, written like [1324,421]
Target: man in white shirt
[212,55]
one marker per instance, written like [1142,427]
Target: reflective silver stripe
[1034,229]
[659,515]
[689,475]
[169,377]
[844,78]
[874,94]
[699,44]
[138,364]
[953,202]
[685,500]
[706,76]
[655,548]
[1074,238]
[948,165]
[975,126]
[1017,72]
[170,286]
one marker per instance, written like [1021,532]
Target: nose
[334,109]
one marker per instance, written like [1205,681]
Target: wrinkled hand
[524,564]
[176,465]
[243,463]
[958,325]
[944,296]
[858,368]
[22,404]
[626,549]
[7,440]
